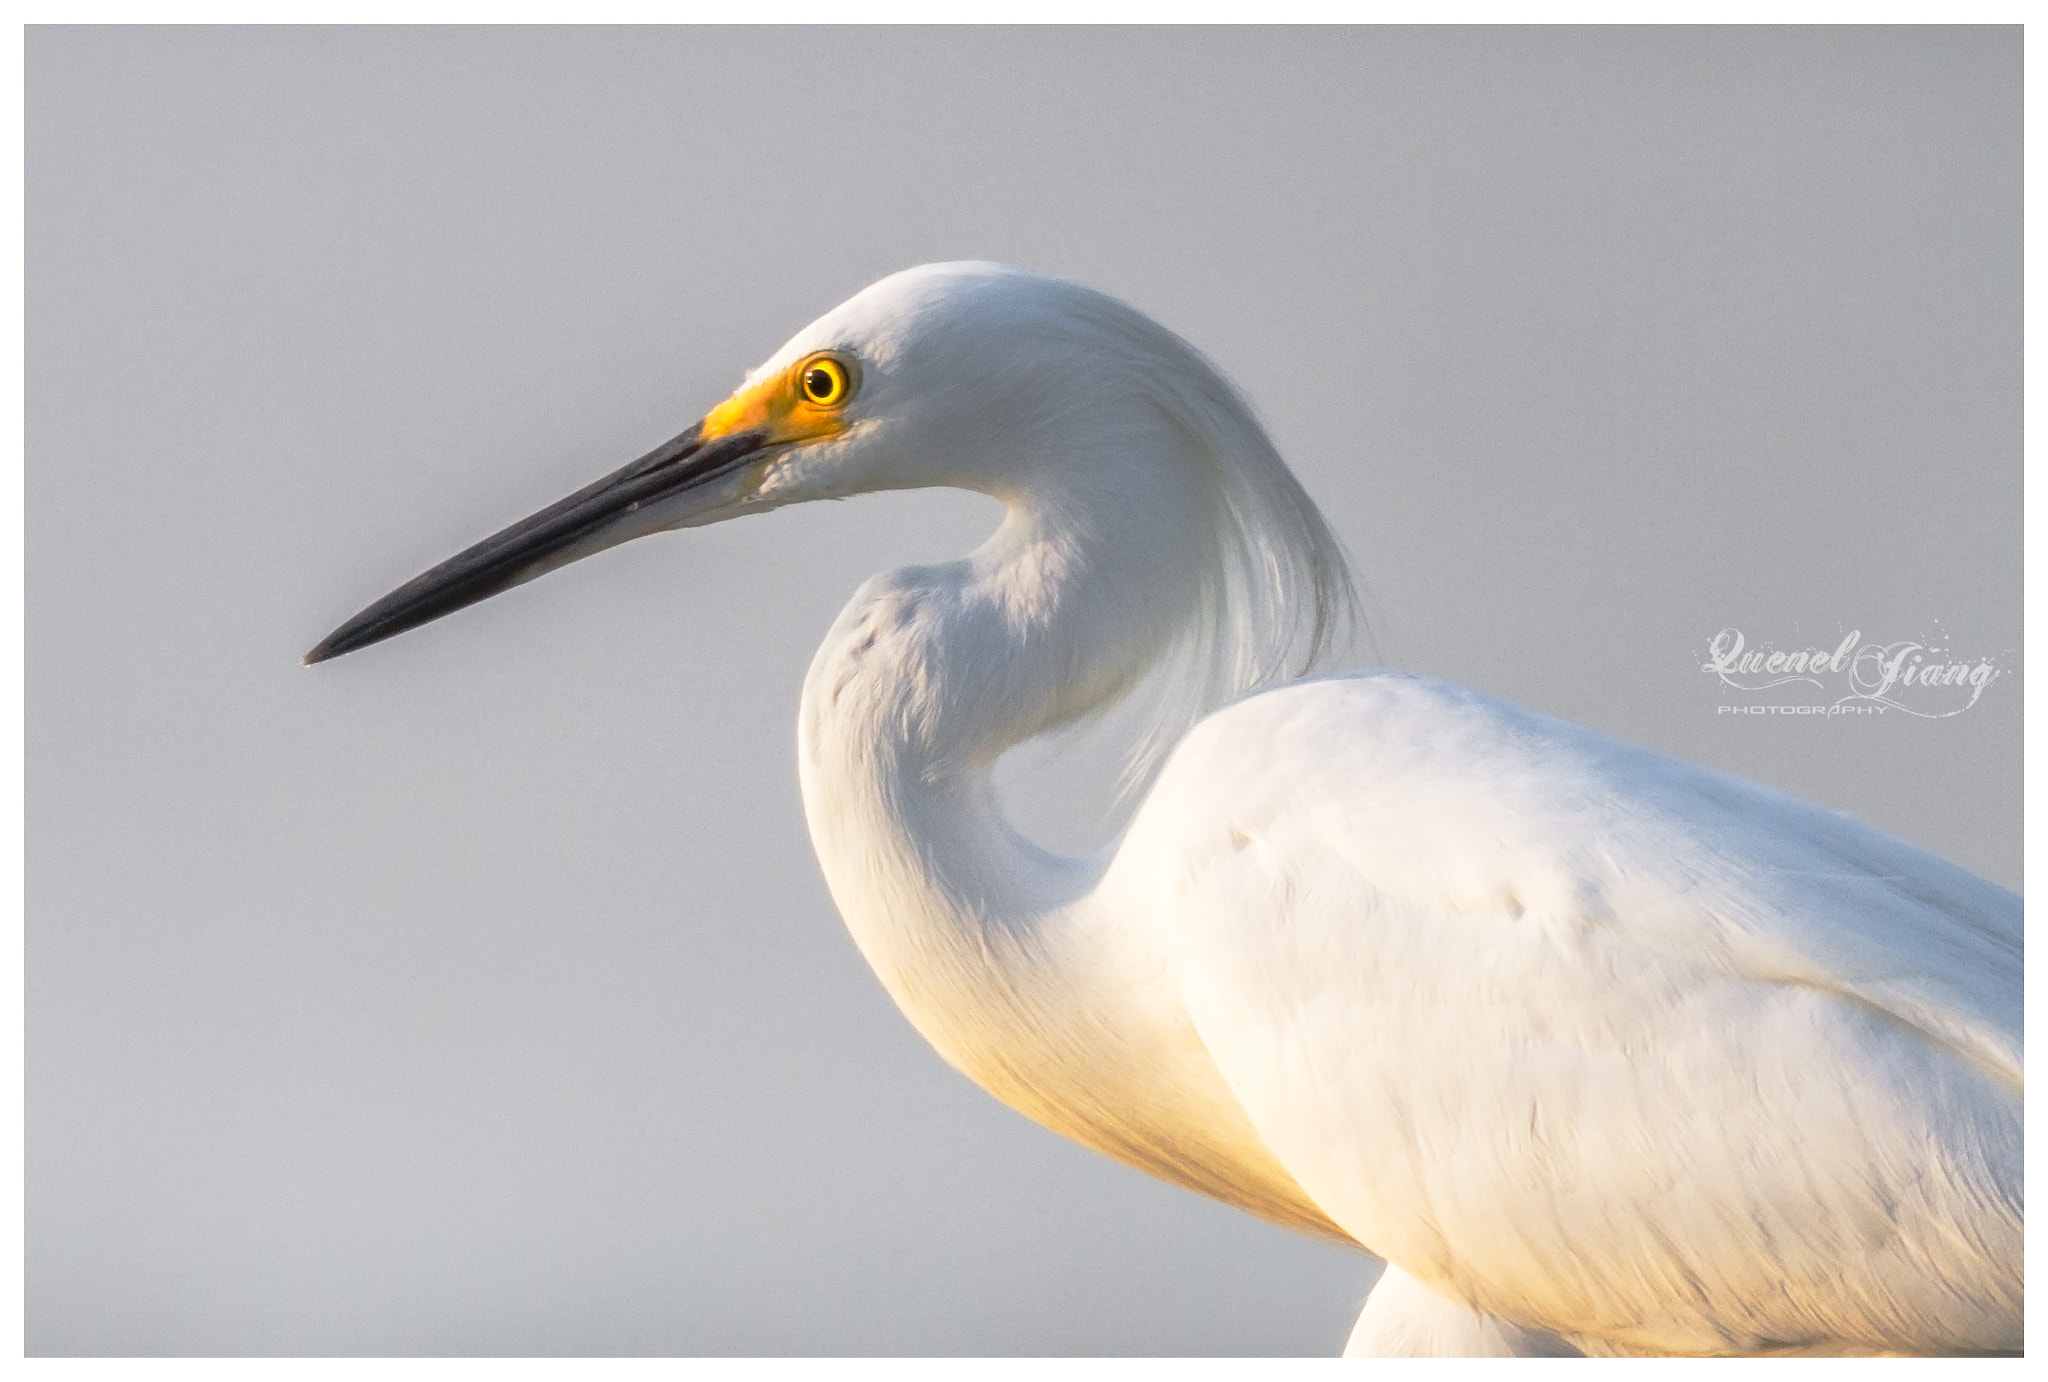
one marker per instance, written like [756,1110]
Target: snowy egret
[1600,1051]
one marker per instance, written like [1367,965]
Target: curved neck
[1000,953]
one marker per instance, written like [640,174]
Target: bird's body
[1594,1041]
[1598,1050]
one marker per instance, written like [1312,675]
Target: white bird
[1598,1050]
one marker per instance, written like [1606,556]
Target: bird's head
[969,374]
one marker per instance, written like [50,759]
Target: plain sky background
[478,993]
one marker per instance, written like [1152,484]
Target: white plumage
[1598,1050]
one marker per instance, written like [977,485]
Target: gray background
[478,993]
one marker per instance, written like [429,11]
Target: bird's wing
[1593,1040]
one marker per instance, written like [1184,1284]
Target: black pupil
[818,383]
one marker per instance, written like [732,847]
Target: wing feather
[1593,1040]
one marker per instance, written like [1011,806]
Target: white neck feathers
[1189,545]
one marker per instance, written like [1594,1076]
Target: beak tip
[573,527]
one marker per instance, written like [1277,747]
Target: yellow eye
[825,382]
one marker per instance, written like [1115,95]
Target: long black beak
[622,505]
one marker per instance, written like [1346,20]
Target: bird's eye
[825,382]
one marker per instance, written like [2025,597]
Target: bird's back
[1594,1040]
